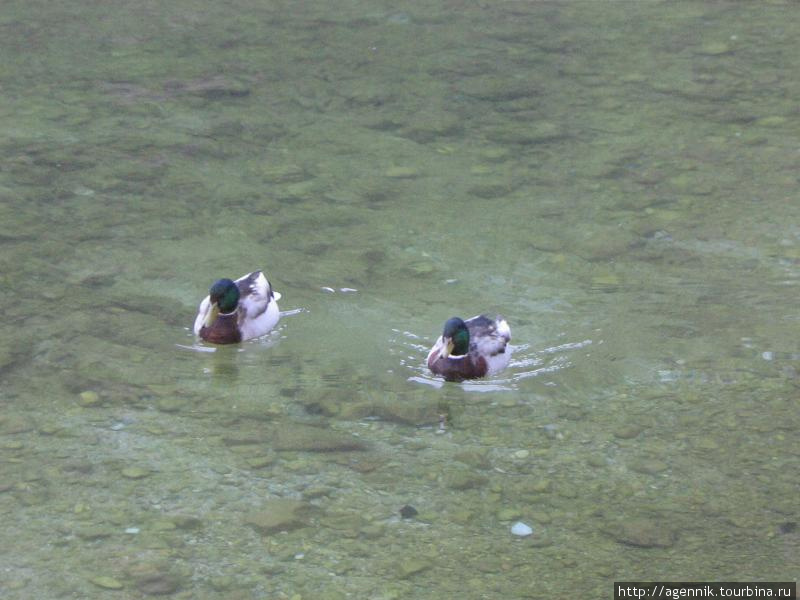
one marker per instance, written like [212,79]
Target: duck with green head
[470,349]
[235,311]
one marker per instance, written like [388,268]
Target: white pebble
[132,530]
[519,528]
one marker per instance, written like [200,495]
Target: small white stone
[132,530]
[521,529]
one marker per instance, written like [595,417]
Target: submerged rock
[106,582]
[628,431]
[314,439]
[643,533]
[158,584]
[134,472]
[498,88]
[465,480]
[402,172]
[93,533]
[477,458]
[210,88]
[521,529]
[408,512]
[279,515]
[649,466]
[412,566]
[89,398]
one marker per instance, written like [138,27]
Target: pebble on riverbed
[106,582]
[521,529]
[89,398]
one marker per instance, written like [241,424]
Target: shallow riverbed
[618,179]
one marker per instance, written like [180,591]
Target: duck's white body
[256,313]
[489,351]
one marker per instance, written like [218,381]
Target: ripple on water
[525,363]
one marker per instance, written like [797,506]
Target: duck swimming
[239,310]
[470,349]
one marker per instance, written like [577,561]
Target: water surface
[617,179]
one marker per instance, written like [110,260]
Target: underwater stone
[521,529]
[408,512]
[405,412]
[317,491]
[261,461]
[222,583]
[210,88]
[278,515]
[491,189]
[186,521]
[134,472]
[284,173]
[495,154]
[771,121]
[649,466]
[643,533]
[373,531]
[596,462]
[508,514]
[106,582]
[498,88]
[475,457]
[465,480]
[158,584]
[314,439]
[162,525]
[412,566]
[534,133]
[170,404]
[421,268]
[539,486]
[244,439]
[427,126]
[402,172]
[88,398]
[714,48]
[50,429]
[84,467]
[94,533]
[628,431]
[604,242]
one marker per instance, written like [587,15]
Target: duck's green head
[224,297]
[455,337]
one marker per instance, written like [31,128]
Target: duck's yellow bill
[213,312]
[447,348]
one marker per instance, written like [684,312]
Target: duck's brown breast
[458,369]
[224,330]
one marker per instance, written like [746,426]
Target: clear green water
[618,179]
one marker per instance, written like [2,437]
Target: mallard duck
[235,311]
[470,349]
